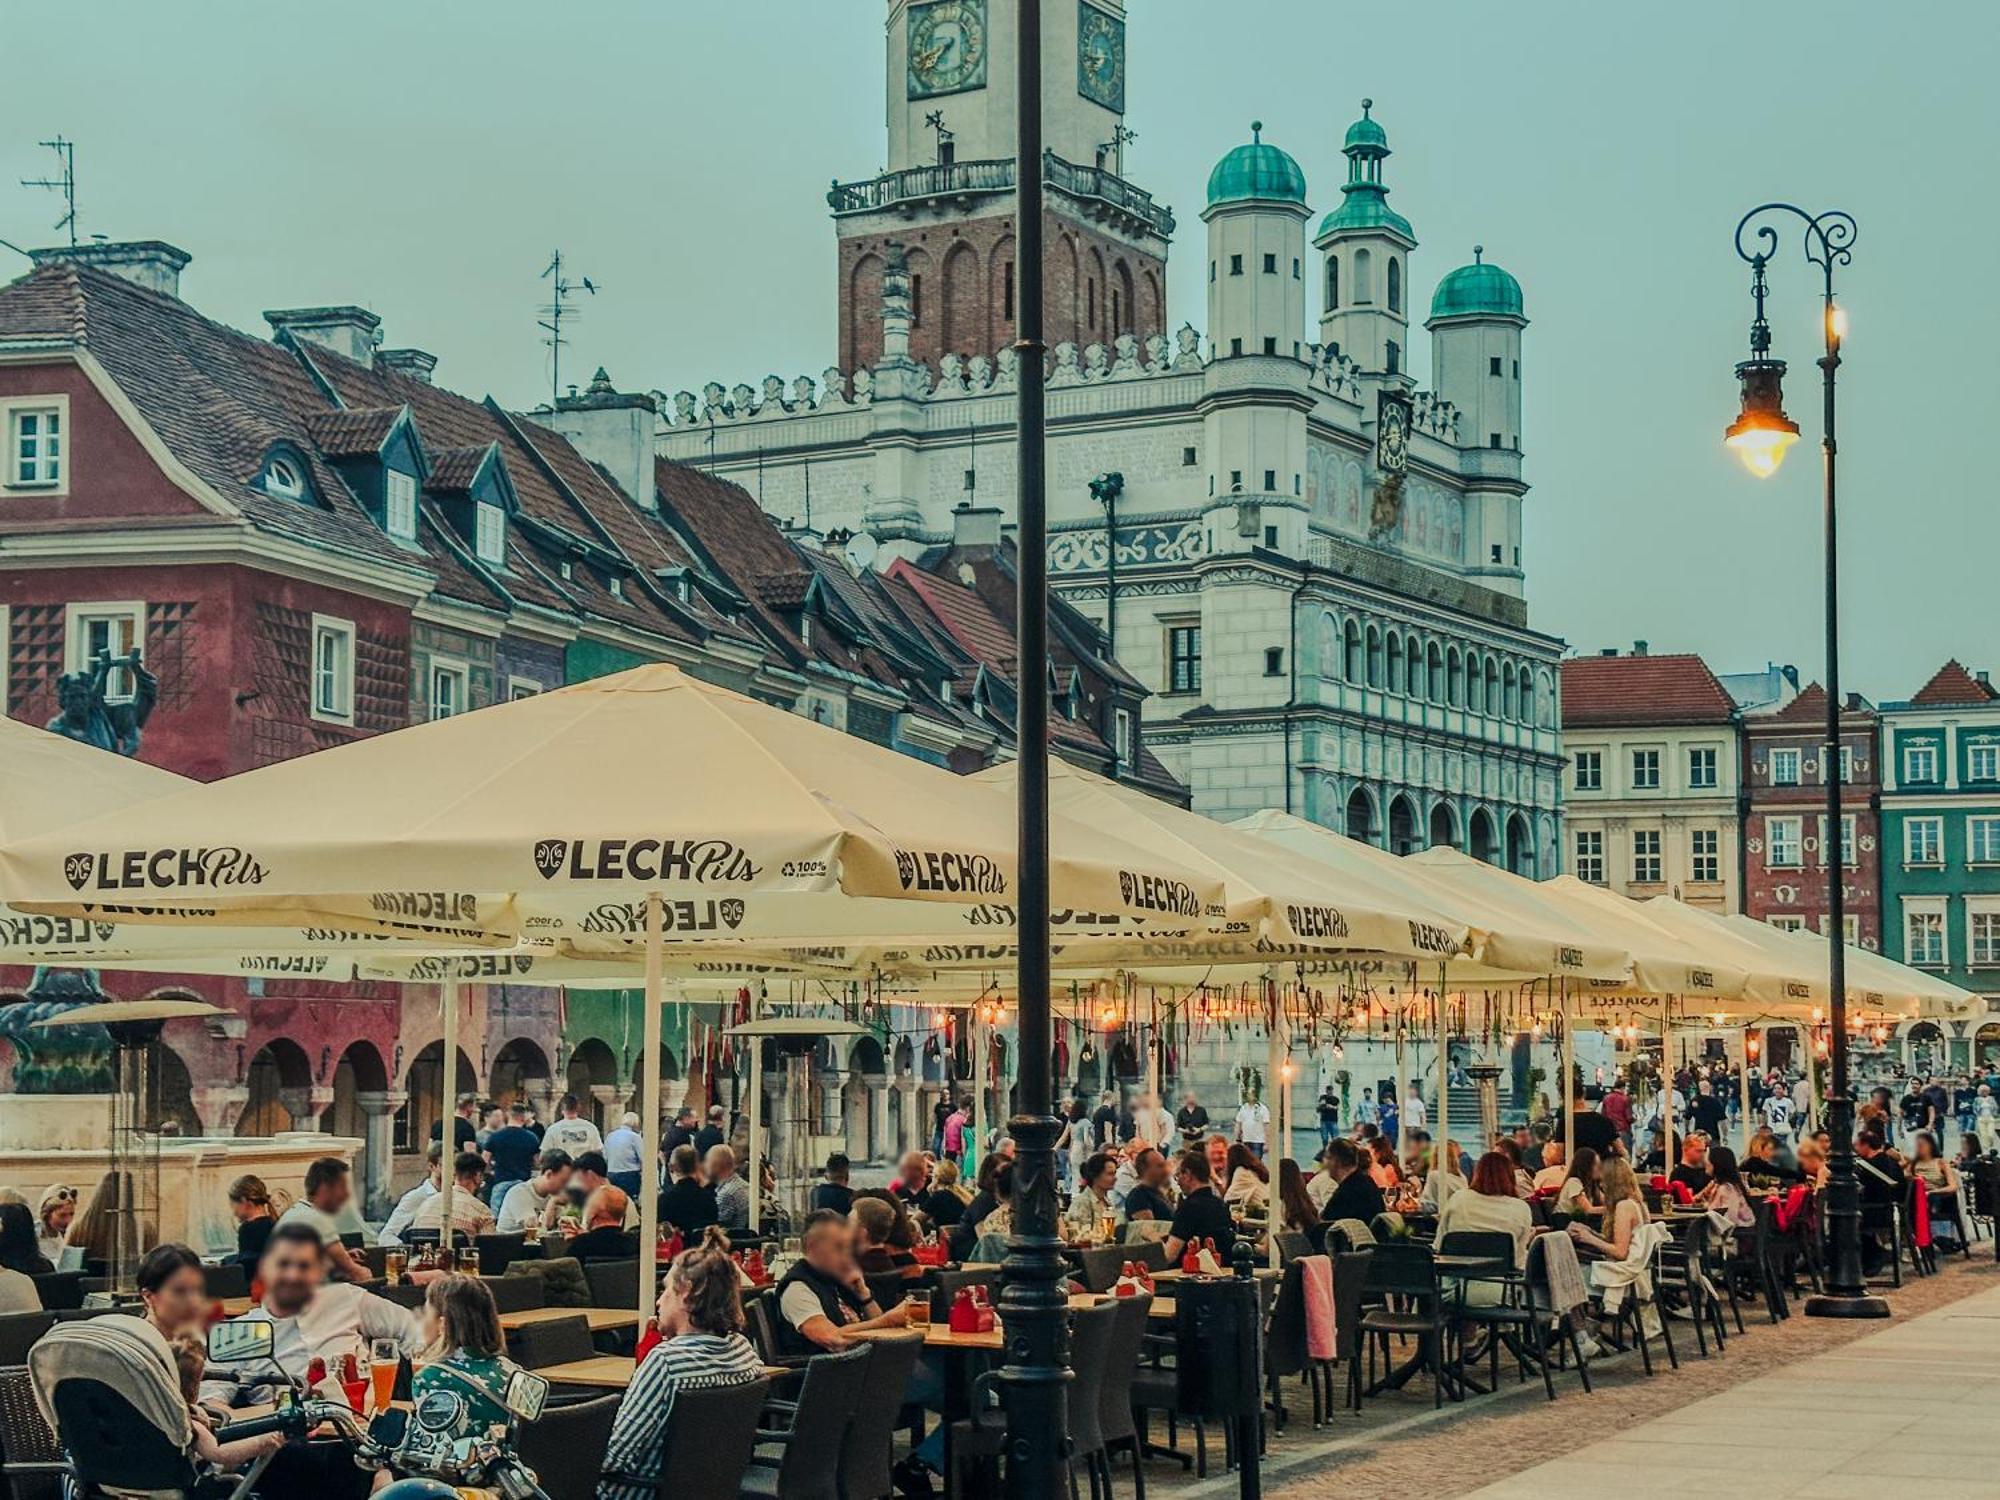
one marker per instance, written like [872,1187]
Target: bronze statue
[89,720]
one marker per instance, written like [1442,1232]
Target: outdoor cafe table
[1426,1357]
[600,1319]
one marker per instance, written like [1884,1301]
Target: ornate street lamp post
[1760,435]
[1032,1302]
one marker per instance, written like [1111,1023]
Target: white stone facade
[1252,509]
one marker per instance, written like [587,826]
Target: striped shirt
[693,1361]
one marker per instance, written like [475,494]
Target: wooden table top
[235,1307]
[600,1319]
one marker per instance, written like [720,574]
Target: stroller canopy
[127,1354]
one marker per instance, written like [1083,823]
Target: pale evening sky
[423,160]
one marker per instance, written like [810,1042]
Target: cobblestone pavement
[1829,1398]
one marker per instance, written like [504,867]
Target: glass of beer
[393,1263]
[383,1357]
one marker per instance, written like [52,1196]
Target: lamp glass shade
[1762,448]
[1762,433]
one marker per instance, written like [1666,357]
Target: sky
[424,160]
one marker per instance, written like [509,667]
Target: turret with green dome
[1480,290]
[1364,200]
[1256,170]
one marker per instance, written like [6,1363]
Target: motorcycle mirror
[527,1393]
[241,1341]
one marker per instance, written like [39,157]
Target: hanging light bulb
[940,1020]
[1818,1015]
[1108,1016]
[1819,1046]
[1287,1070]
[1339,1052]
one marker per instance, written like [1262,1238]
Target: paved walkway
[1917,1401]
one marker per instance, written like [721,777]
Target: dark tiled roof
[785,590]
[453,470]
[1951,686]
[352,434]
[1602,691]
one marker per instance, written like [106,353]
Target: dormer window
[617,586]
[400,506]
[283,477]
[490,536]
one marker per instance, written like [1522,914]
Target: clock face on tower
[1100,57]
[947,47]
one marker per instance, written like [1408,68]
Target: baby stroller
[109,1389]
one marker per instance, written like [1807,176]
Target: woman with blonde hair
[1627,1242]
[53,1216]
[700,1320]
[93,1233]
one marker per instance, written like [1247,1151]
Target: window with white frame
[1846,840]
[1645,770]
[1646,856]
[1923,841]
[490,534]
[1705,854]
[37,443]
[400,506]
[1982,839]
[1589,861]
[522,687]
[1982,762]
[1781,843]
[333,669]
[113,630]
[1589,770]
[450,682]
[1920,763]
[1923,932]
[1121,735]
[1701,768]
[1787,922]
[1846,766]
[1785,767]
[1850,928]
[1982,932]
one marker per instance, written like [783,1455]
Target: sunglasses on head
[65,1195]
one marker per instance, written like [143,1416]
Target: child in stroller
[191,1359]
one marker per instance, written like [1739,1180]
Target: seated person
[1202,1215]
[1355,1194]
[1490,1203]
[1761,1168]
[1880,1175]
[689,1204]
[885,1237]
[1554,1171]
[1578,1196]
[1727,1194]
[1691,1172]
[603,1235]
[823,1300]
[464,1360]
[468,1215]
[1091,1204]
[528,1202]
[190,1360]
[1150,1199]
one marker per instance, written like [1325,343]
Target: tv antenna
[947,150]
[65,151]
[552,314]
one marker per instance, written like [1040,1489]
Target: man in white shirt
[1251,1122]
[1415,1116]
[529,1202]
[572,1133]
[1554,1171]
[405,1212]
[468,1214]
[1778,1115]
[313,1317]
[327,1192]
[623,1154]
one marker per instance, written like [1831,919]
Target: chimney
[975,526]
[417,364]
[351,332]
[613,430]
[1983,677]
[1607,650]
[152,264]
[1638,648]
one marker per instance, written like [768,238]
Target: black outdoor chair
[62,1291]
[1151,1254]
[868,1448]
[806,1466]
[613,1283]
[1100,1267]
[556,1342]
[31,1461]
[565,1447]
[1117,1428]
[19,1333]
[499,1251]
[1411,1302]
[890,1288]
[517,1293]
[1688,1272]
[707,1443]
[230,1279]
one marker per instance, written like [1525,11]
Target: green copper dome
[1366,132]
[1256,171]
[1477,290]
[1366,208]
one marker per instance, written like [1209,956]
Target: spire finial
[1478,254]
[1256,130]
[1366,105]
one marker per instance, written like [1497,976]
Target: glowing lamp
[1762,434]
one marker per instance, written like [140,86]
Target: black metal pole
[1111,573]
[1032,1299]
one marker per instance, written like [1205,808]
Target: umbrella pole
[1809,1044]
[1666,1093]
[1402,1086]
[1566,1060]
[1744,1089]
[649,1114]
[1441,1141]
[1274,1061]
[975,1036]
[755,1142]
[448,1126]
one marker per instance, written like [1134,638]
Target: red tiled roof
[1951,686]
[349,433]
[454,469]
[1637,690]
[972,623]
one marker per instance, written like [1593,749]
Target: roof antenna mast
[65,151]
[552,314]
